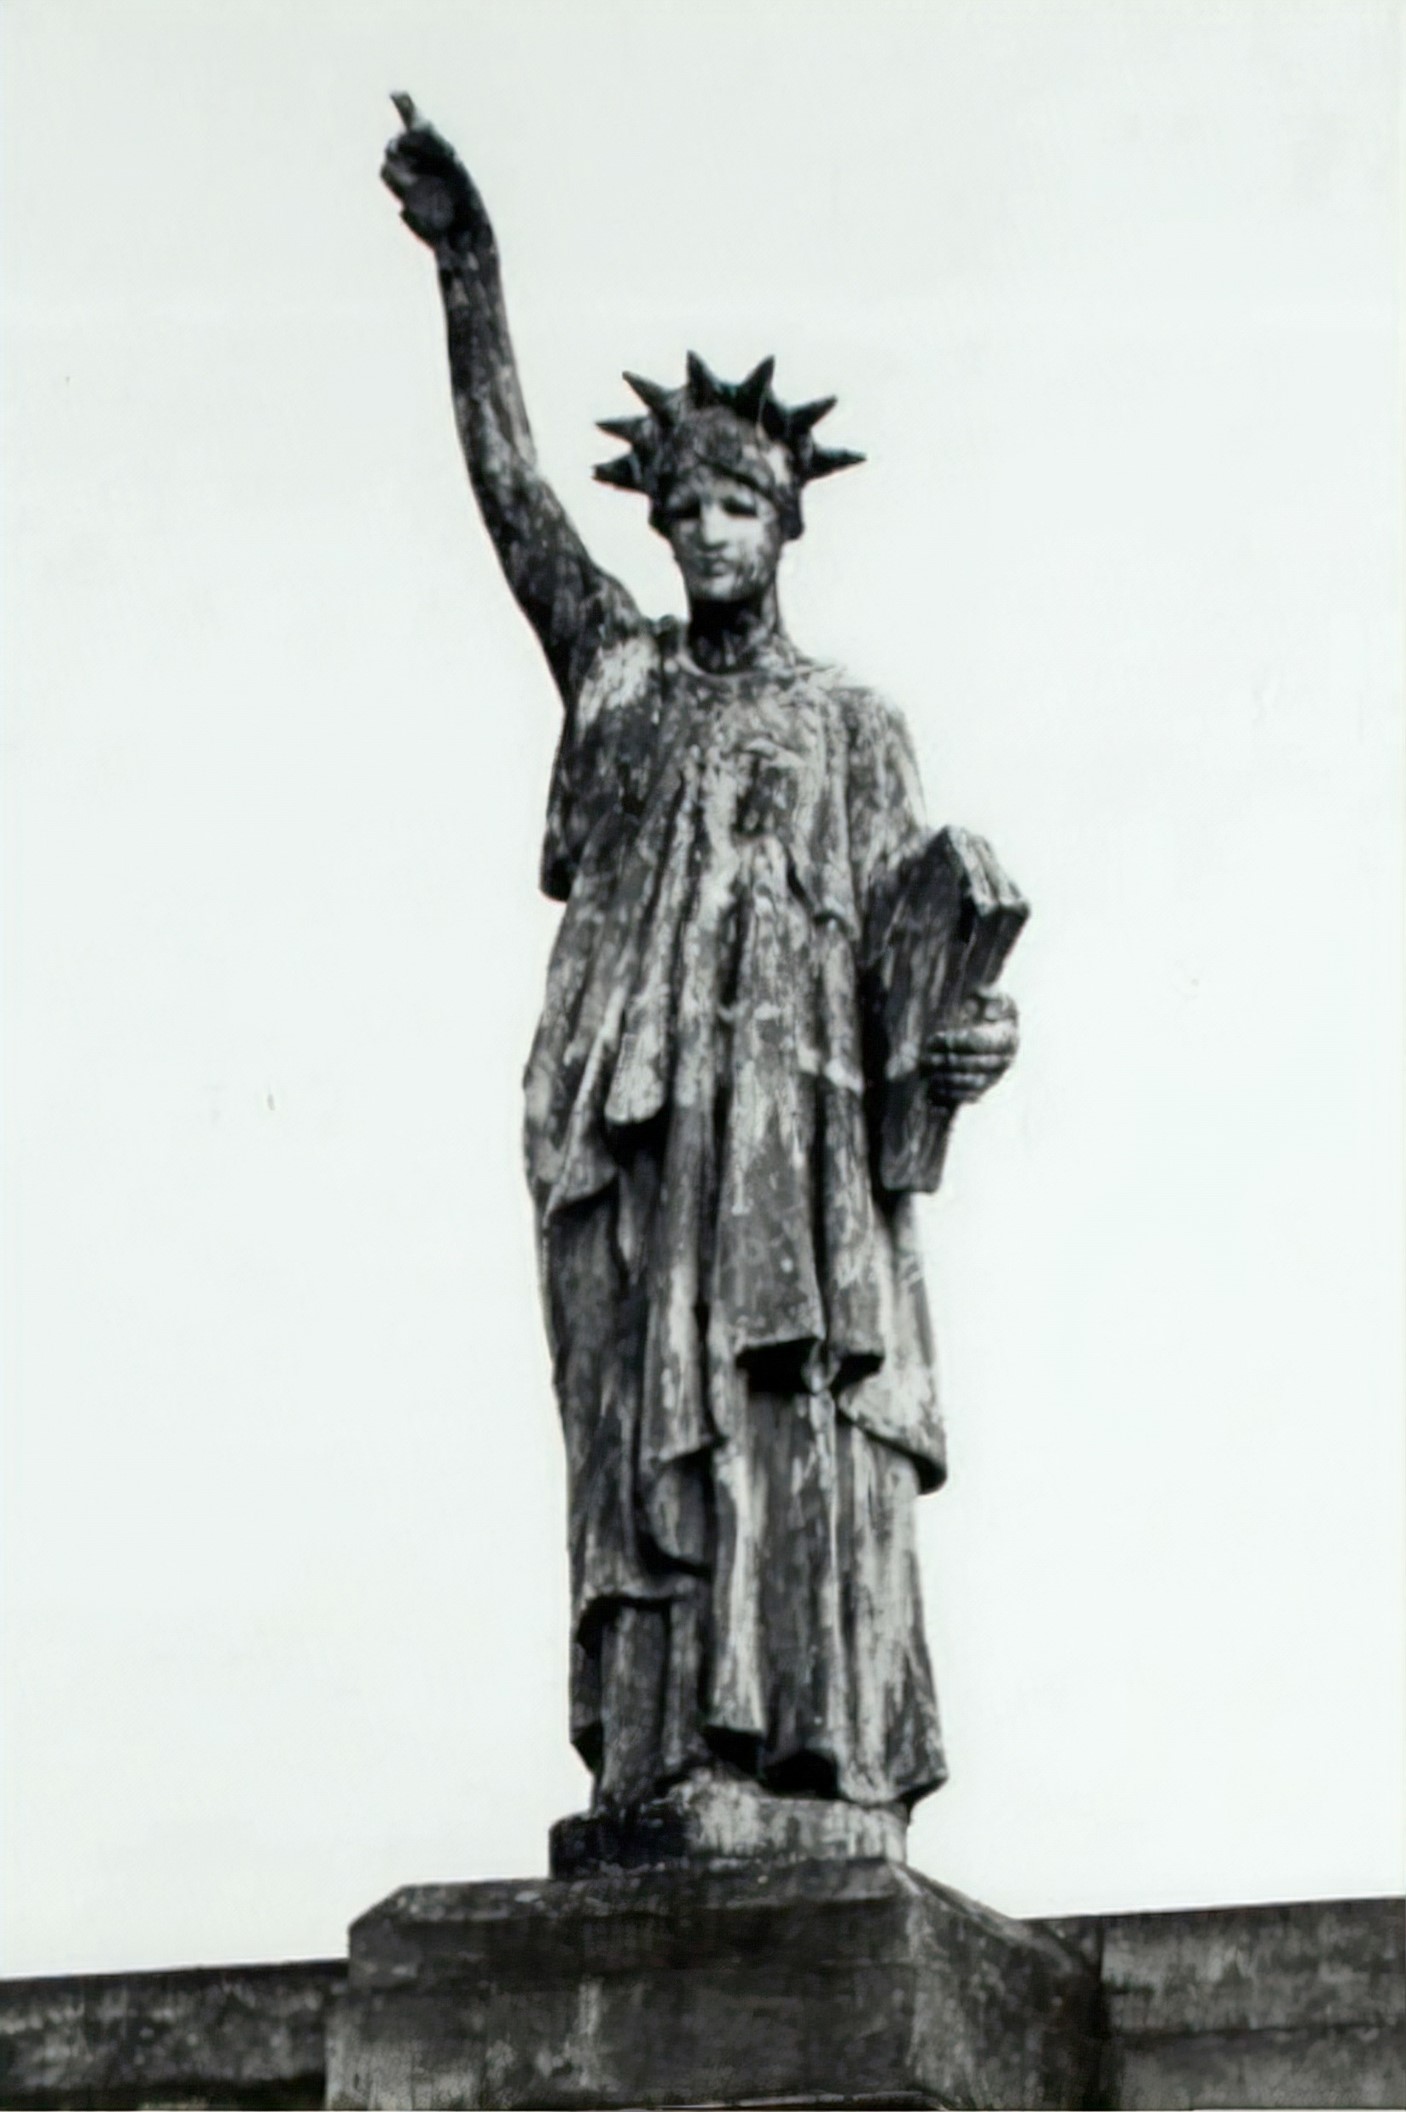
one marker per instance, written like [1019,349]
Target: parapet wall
[1249,2006]
[247,2035]
[1301,2005]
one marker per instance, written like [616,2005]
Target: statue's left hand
[964,1061]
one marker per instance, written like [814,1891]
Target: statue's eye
[742,509]
[686,510]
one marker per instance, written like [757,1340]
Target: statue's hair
[738,427]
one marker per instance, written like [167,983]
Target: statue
[743,1073]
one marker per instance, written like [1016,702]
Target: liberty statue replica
[769,992]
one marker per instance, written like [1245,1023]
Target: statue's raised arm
[568,600]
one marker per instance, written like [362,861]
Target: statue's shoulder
[882,787]
[621,671]
[870,719]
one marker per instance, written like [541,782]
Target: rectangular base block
[706,1819]
[836,1983]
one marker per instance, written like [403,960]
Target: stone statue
[722,1144]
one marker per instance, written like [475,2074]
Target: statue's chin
[713,594]
[722,595]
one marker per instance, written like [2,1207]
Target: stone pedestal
[839,1983]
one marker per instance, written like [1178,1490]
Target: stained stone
[859,1984]
[770,990]
[710,1820]
[769,993]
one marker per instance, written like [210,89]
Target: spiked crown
[738,427]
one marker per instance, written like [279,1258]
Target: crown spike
[806,415]
[655,398]
[750,395]
[623,471]
[824,461]
[631,430]
[704,388]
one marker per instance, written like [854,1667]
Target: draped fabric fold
[737,1317]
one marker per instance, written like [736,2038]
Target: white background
[1109,293]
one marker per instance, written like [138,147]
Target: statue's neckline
[774,656]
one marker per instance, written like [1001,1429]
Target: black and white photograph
[702,1053]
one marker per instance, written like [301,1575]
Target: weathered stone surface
[848,1983]
[1362,2065]
[705,1819]
[740,1339]
[1253,2006]
[1301,2004]
[1265,1968]
[231,2035]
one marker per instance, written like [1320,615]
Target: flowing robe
[736,1312]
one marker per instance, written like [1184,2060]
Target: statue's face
[726,537]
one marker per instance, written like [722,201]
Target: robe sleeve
[611,716]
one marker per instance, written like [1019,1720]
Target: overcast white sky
[1110,295]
